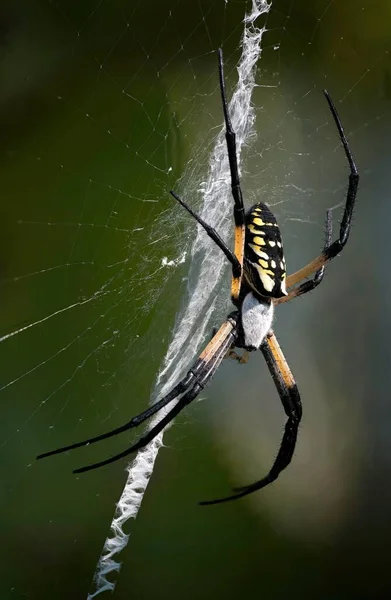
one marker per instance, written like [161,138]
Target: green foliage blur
[102,105]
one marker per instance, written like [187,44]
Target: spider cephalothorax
[256,319]
[259,282]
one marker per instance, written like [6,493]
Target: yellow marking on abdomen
[255,231]
[258,241]
[259,252]
[267,281]
[258,221]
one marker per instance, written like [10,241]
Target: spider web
[105,106]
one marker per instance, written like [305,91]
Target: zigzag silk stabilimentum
[191,325]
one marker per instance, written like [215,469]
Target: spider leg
[203,377]
[235,258]
[212,233]
[290,398]
[310,285]
[239,216]
[148,437]
[204,367]
[336,247]
[134,422]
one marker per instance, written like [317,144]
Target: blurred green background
[104,106]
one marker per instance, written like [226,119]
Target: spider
[259,283]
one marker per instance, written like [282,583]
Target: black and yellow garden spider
[259,282]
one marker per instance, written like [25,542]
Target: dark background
[103,107]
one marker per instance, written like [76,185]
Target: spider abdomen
[264,262]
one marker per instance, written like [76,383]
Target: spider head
[257,317]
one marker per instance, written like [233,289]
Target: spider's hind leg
[337,246]
[311,284]
[212,233]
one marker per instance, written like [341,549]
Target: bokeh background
[104,106]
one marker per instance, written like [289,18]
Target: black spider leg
[189,379]
[231,148]
[203,377]
[239,215]
[212,233]
[336,247]
[290,398]
[235,258]
[354,177]
[310,285]
[134,422]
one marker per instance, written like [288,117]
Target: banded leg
[335,248]
[200,373]
[310,285]
[235,258]
[239,215]
[134,422]
[290,398]
[206,366]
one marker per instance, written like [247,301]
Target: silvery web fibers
[208,266]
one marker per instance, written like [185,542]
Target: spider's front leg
[190,386]
[290,398]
